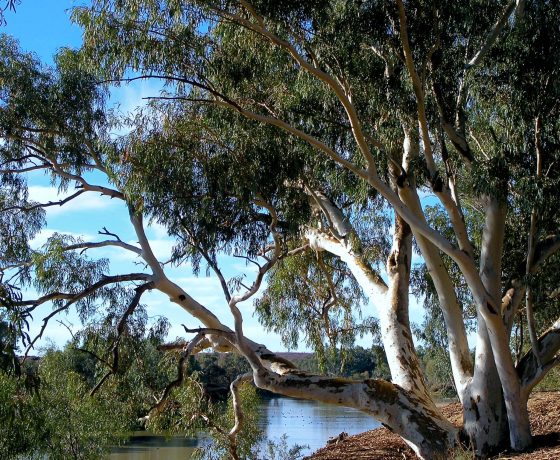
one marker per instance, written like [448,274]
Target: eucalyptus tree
[54,121]
[405,97]
[289,133]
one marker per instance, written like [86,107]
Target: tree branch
[237,410]
[44,205]
[492,35]
[529,370]
[331,82]
[100,244]
[140,290]
[73,298]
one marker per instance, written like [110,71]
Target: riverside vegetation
[326,144]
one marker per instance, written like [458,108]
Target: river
[305,422]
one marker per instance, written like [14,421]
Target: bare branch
[45,205]
[99,244]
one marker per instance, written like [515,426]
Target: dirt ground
[544,410]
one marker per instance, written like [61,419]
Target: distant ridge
[293,355]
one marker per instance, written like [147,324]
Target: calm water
[305,422]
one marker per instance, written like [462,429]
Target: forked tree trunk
[424,428]
[484,413]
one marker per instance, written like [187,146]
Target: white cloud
[162,248]
[158,230]
[133,95]
[128,98]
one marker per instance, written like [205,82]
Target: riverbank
[544,410]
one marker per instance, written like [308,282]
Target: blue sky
[43,27]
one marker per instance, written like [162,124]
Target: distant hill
[294,355]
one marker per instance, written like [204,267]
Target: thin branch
[418,90]
[114,366]
[178,381]
[211,261]
[99,244]
[531,251]
[45,205]
[73,298]
[94,355]
[24,170]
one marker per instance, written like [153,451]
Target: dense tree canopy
[323,142]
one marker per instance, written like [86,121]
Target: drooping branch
[134,302]
[73,298]
[237,410]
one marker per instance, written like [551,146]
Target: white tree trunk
[490,274]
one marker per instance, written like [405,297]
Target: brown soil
[544,410]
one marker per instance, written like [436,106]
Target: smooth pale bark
[391,302]
[490,273]
[393,307]
[484,412]
[461,362]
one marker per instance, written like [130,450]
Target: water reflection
[305,422]
[146,446]
[309,422]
